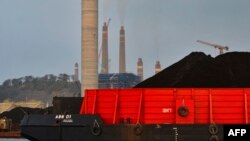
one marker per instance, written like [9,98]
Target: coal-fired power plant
[122,59]
[157,67]
[186,105]
[140,68]
[89,39]
[105,64]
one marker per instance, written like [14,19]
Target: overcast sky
[39,37]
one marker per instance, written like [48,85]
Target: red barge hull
[183,114]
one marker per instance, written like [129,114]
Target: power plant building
[89,52]
[118,80]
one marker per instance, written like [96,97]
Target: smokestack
[122,61]
[157,67]
[140,68]
[76,76]
[89,53]
[105,65]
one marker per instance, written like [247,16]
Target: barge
[147,114]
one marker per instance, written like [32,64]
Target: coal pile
[18,113]
[198,70]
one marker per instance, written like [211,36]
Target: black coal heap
[18,113]
[198,70]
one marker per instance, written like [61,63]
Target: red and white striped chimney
[157,67]
[105,64]
[122,57]
[140,68]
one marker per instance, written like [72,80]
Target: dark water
[2,139]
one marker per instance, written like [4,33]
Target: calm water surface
[1,139]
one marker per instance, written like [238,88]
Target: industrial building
[118,80]
[89,55]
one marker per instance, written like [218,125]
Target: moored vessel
[197,114]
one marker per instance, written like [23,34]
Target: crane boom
[221,48]
[108,22]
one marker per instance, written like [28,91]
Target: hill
[39,88]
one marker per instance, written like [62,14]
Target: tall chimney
[157,67]
[140,69]
[76,77]
[105,57]
[89,53]
[122,61]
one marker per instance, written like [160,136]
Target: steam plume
[122,6]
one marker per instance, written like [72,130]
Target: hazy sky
[39,37]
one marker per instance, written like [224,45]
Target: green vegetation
[39,88]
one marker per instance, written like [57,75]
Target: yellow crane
[221,48]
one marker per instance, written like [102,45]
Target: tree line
[47,84]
